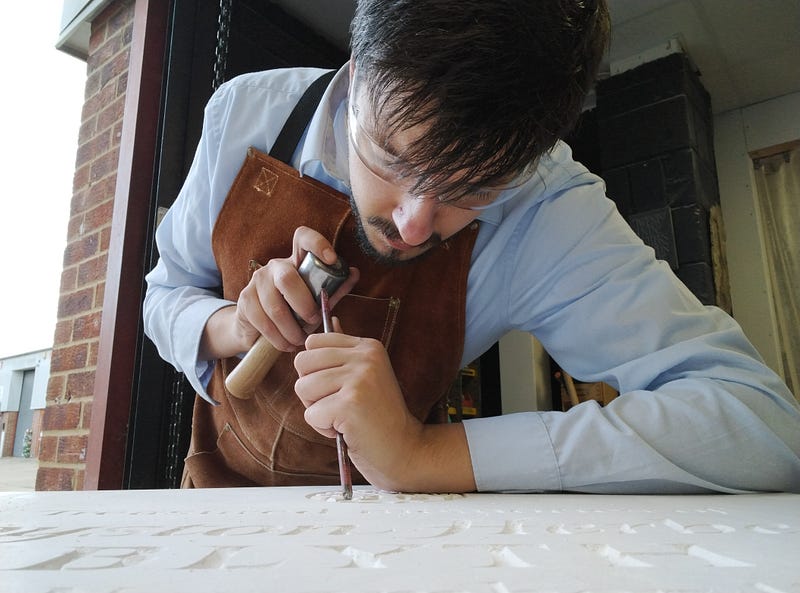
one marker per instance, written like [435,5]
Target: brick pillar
[65,426]
[9,430]
[657,151]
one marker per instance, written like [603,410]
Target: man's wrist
[438,461]
[220,337]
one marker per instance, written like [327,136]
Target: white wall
[524,374]
[736,133]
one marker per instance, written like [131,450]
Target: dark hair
[497,82]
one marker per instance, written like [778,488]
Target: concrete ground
[18,474]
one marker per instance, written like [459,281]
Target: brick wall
[65,426]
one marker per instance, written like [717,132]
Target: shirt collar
[326,139]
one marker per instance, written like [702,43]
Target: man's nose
[414,217]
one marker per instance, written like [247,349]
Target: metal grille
[179,429]
[223,34]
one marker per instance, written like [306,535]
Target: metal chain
[221,51]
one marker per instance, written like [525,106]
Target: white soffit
[76,26]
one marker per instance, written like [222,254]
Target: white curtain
[778,185]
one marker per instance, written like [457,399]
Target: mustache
[386,227]
[389,230]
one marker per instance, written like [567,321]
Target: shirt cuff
[498,444]
[189,326]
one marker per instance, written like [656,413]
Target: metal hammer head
[318,275]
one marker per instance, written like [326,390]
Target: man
[433,165]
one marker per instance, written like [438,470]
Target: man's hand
[266,305]
[348,385]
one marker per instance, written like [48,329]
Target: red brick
[127,34]
[69,358]
[81,177]
[75,303]
[87,130]
[104,53]
[105,239]
[86,415]
[101,192]
[87,326]
[114,67]
[99,295]
[80,476]
[76,221]
[98,144]
[80,384]
[95,103]
[63,332]
[94,347]
[93,270]
[121,18]
[48,447]
[72,449]
[55,387]
[99,217]
[62,416]
[80,249]
[112,114]
[100,30]
[68,279]
[92,87]
[55,478]
[77,207]
[105,165]
[97,36]
[122,84]
[9,420]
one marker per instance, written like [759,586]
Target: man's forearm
[219,339]
[440,462]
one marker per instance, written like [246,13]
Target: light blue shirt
[698,410]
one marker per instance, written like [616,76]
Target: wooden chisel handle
[255,365]
[252,369]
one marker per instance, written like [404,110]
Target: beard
[388,229]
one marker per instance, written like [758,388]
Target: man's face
[396,224]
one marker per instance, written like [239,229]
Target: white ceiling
[747,51]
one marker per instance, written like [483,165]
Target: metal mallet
[255,365]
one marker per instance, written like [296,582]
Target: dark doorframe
[114,377]
[160,410]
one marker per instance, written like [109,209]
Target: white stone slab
[310,540]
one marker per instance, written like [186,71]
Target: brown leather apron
[416,310]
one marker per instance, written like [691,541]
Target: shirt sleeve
[183,290]
[698,409]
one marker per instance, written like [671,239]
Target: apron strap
[286,142]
